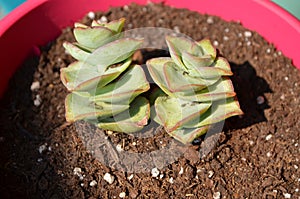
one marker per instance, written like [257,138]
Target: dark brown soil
[255,156]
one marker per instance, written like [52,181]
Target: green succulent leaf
[81,76]
[222,89]
[156,69]
[129,121]
[125,89]
[186,135]
[178,45]
[192,61]
[75,51]
[93,37]
[78,108]
[116,25]
[208,48]
[222,64]
[219,111]
[180,81]
[80,25]
[113,52]
[174,113]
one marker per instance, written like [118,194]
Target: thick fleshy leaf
[178,45]
[116,26]
[79,25]
[219,111]
[207,48]
[222,89]
[129,121]
[192,62]
[155,68]
[186,135]
[78,108]
[174,112]
[76,52]
[180,81]
[81,76]
[125,89]
[93,37]
[222,63]
[113,52]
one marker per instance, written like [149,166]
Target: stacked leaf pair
[104,85]
[197,91]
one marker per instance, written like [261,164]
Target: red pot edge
[265,17]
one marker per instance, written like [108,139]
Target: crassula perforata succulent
[104,85]
[196,89]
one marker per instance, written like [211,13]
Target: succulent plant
[194,91]
[197,91]
[104,85]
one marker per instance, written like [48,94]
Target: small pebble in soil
[37,101]
[109,178]
[35,86]
[122,195]
[296,190]
[225,38]
[171,180]
[269,154]
[260,100]
[93,183]
[176,29]
[130,177]
[215,43]
[155,172]
[103,19]
[42,148]
[296,167]
[268,137]
[161,176]
[91,15]
[77,171]
[286,78]
[39,160]
[126,8]
[268,50]
[119,148]
[181,171]
[247,34]
[287,195]
[210,20]
[210,174]
[217,195]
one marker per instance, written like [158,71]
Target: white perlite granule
[155,172]
[109,178]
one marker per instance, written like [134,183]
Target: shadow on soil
[250,90]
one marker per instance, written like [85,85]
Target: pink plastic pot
[36,22]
